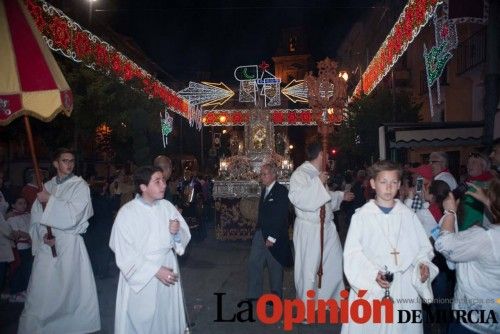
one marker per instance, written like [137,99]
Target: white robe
[21,223]
[476,253]
[142,244]
[61,295]
[308,194]
[367,250]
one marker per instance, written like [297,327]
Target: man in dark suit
[270,244]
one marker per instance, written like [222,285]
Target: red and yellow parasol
[31,82]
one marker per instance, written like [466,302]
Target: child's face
[386,185]
[20,205]
[155,189]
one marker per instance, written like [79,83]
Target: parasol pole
[38,174]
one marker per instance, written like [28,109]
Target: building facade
[462,84]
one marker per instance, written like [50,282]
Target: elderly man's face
[438,165]
[475,166]
[266,176]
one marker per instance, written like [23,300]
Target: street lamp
[91,2]
[344,75]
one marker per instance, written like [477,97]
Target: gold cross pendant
[395,253]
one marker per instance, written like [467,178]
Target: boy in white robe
[385,235]
[146,234]
[308,194]
[61,295]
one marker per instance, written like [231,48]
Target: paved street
[210,267]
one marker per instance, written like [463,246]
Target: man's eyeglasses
[436,162]
[68,161]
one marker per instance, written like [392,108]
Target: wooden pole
[322,212]
[38,174]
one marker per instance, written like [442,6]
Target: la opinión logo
[360,310]
[295,311]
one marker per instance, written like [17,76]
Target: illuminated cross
[395,253]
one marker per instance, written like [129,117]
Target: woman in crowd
[471,211]
[434,194]
[476,253]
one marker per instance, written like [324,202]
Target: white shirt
[21,223]
[448,178]
[476,252]
[268,188]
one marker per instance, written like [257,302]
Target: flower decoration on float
[65,36]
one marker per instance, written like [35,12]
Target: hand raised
[478,193]
[174,226]
[424,272]
[449,203]
[43,196]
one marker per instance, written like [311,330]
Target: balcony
[471,52]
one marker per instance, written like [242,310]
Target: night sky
[184,37]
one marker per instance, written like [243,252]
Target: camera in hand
[388,276]
[419,186]
[460,190]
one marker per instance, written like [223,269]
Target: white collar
[269,187]
[141,200]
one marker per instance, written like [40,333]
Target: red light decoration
[69,39]
[415,15]
[239,117]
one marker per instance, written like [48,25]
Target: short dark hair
[142,175]
[313,150]
[384,166]
[60,151]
